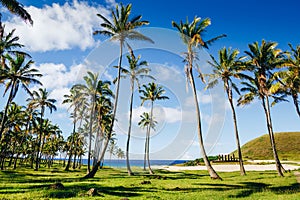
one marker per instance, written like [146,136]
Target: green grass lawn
[115,184]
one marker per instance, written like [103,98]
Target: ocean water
[137,163]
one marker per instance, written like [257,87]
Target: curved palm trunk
[129,131]
[92,173]
[213,174]
[229,94]
[96,166]
[242,169]
[148,140]
[4,117]
[279,168]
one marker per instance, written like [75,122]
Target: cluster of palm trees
[264,72]
[24,131]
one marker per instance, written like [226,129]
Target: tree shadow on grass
[82,189]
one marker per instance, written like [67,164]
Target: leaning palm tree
[17,73]
[191,34]
[146,122]
[263,60]
[40,99]
[18,9]
[120,29]
[151,92]
[137,69]
[227,68]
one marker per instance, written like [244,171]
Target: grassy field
[115,184]
[287,144]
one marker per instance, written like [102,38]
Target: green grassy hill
[287,144]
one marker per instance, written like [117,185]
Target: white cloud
[56,76]
[168,73]
[58,79]
[59,27]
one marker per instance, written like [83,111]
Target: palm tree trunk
[74,161]
[229,94]
[129,131]
[69,162]
[213,174]
[96,166]
[145,153]
[4,117]
[37,161]
[90,134]
[266,106]
[148,139]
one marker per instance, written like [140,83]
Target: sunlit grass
[115,184]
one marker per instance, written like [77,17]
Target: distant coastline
[137,163]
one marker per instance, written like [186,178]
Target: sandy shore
[229,168]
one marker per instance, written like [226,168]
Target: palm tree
[151,92]
[16,8]
[40,99]
[263,60]
[146,122]
[121,29]
[8,44]
[137,69]
[289,83]
[226,68]
[17,73]
[191,34]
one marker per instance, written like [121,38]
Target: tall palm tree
[227,68]
[40,99]
[137,69]
[264,59]
[19,72]
[18,9]
[151,92]
[192,37]
[146,122]
[120,29]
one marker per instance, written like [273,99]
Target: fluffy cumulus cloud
[59,27]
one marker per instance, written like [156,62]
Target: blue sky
[63,48]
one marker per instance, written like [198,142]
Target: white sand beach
[230,168]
